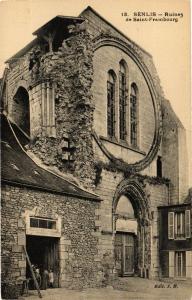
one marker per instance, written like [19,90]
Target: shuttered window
[189,264]
[171,264]
[171,225]
[187,224]
[179,225]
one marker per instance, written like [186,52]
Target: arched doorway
[21,109]
[125,237]
[131,230]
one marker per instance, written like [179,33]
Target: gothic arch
[133,190]
[21,83]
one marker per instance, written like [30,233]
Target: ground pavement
[124,288]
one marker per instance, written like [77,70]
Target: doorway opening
[44,253]
[125,237]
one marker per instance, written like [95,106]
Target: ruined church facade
[90,101]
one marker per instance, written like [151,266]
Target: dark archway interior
[43,252]
[21,109]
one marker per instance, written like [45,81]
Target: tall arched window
[122,101]
[133,115]
[21,111]
[111,104]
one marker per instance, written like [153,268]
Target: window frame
[47,221]
[134,115]
[111,95]
[180,264]
[184,218]
[179,229]
[122,101]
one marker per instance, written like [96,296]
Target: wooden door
[119,253]
[124,254]
[51,259]
[128,254]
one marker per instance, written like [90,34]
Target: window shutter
[189,264]
[187,224]
[171,225]
[171,263]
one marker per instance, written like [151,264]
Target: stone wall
[80,231]
[159,195]
[174,154]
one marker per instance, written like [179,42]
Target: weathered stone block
[17,248]
[21,239]
[22,263]
[64,255]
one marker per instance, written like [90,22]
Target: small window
[42,223]
[133,114]
[111,104]
[159,167]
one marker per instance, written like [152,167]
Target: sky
[168,42]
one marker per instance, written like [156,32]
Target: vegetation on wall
[127,173]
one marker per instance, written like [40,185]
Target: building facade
[51,218]
[175,239]
[90,101]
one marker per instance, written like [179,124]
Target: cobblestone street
[125,288]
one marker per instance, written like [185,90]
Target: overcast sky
[168,42]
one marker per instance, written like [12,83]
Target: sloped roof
[18,168]
[57,22]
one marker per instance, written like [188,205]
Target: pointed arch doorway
[131,230]
[125,237]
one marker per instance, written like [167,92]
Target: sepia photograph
[96,143]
